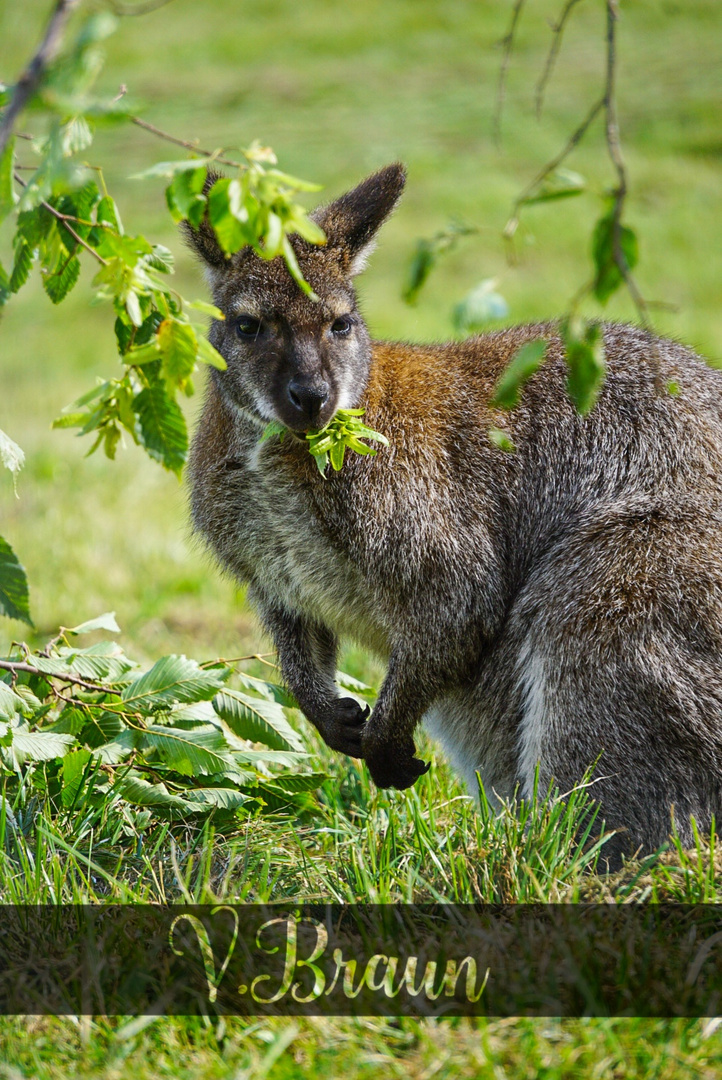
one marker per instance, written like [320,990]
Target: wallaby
[551,607]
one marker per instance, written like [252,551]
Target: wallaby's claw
[343,726]
[400,773]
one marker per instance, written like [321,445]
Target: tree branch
[30,79]
[508,42]
[18,666]
[193,147]
[557,32]
[64,219]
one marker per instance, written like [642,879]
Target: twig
[64,219]
[31,77]
[557,31]
[16,666]
[183,142]
[508,42]
[555,162]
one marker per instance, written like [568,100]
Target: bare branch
[193,147]
[557,31]
[31,77]
[66,677]
[555,162]
[508,42]
[64,220]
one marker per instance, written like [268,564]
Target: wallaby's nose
[308,397]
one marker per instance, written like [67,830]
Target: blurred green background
[338,90]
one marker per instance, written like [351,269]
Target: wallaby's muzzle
[308,397]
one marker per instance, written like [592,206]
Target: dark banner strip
[354,960]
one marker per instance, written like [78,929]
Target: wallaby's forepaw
[391,769]
[343,725]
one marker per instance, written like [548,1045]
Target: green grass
[338,90]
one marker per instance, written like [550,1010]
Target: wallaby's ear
[351,222]
[203,239]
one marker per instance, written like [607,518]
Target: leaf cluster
[343,432]
[87,727]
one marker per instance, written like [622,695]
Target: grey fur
[555,605]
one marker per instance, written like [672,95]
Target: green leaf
[520,368]
[584,352]
[38,746]
[59,284]
[209,354]
[11,456]
[107,214]
[173,680]
[72,771]
[134,789]
[273,428]
[295,270]
[256,720]
[169,169]
[205,308]
[22,265]
[178,346]
[479,307]
[212,797]
[163,429]
[184,195]
[102,622]
[297,782]
[10,702]
[7,194]
[608,276]
[561,184]
[224,212]
[194,752]
[14,600]
[501,440]
[422,263]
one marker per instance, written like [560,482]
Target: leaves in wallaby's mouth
[344,430]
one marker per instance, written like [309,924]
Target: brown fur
[552,606]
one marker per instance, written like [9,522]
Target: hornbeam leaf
[138,791]
[38,746]
[163,429]
[192,752]
[14,600]
[173,680]
[520,368]
[102,622]
[257,720]
[59,284]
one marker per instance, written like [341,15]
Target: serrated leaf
[191,752]
[14,599]
[107,214]
[173,680]
[59,284]
[224,213]
[142,793]
[213,797]
[163,429]
[116,749]
[293,783]
[178,346]
[7,195]
[72,772]
[295,270]
[518,371]
[38,746]
[10,702]
[102,622]
[22,265]
[256,720]
[205,308]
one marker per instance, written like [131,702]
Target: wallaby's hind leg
[621,661]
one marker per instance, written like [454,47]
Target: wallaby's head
[292,358]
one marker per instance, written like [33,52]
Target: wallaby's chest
[282,544]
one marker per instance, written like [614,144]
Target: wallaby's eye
[248,327]
[342,326]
